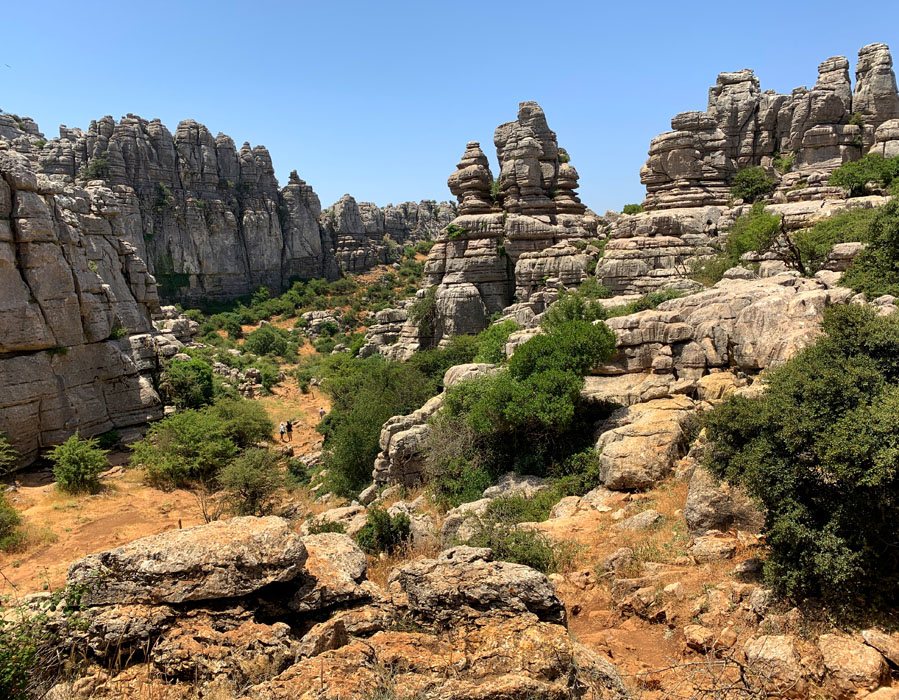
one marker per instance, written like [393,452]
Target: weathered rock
[641,521]
[639,444]
[852,667]
[713,547]
[712,505]
[78,348]
[351,517]
[518,657]
[886,644]
[512,484]
[334,574]
[466,582]
[776,659]
[208,645]
[223,559]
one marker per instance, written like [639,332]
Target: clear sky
[379,98]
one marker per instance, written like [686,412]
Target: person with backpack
[289,426]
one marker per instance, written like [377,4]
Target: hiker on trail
[289,427]
[321,413]
[281,430]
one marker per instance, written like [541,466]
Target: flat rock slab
[222,559]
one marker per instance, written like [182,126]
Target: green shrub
[266,340]
[875,271]
[184,448]
[108,440]
[245,423]
[752,184]
[383,532]
[783,162]
[77,465]
[813,244]
[11,535]
[531,414]
[317,525]
[855,176]
[632,209]
[819,451]
[187,383]
[97,168]
[434,363]
[8,456]
[755,231]
[252,482]
[520,546]
[364,394]
[423,312]
[491,342]
[644,303]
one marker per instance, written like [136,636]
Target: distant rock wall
[210,219]
[77,343]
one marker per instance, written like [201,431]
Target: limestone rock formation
[798,138]
[78,348]
[209,218]
[223,559]
[512,236]
[358,230]
[233,633]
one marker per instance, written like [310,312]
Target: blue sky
[379,98]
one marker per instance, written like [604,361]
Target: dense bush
[317,525]
[187,383]
[532,414]
[11,535]
[751,184]
[267,340]
[876,269]
[855,176]
[77,465]
[434,363]
[252,482]
[820,451]
[187,447]
[755,231]
[814,243]
[491,342]
[423,312]
[383,532]
[364,394]
[520,546]
[632,209]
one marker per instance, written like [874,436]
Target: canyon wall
[210,219]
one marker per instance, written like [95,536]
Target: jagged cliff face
[210,219]
[509,238]
[689,173]
[77,344]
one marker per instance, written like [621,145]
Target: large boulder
[334,574]
[466,582]
[712,505]
[852,667]
[223,559]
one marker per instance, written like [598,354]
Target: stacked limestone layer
[694,164]
[690,170]
[78,348]
[209,218]
[358,230]
[510,237]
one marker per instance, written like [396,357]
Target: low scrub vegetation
[383,532]
[876,269]
[77,465]
[819,451]
[752,184]
[872,169]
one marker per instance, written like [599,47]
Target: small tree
[855,176]
[267,340]
[187,383]
[751,184]
[77,465]
[252,482]
[8,455]
[632,209]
